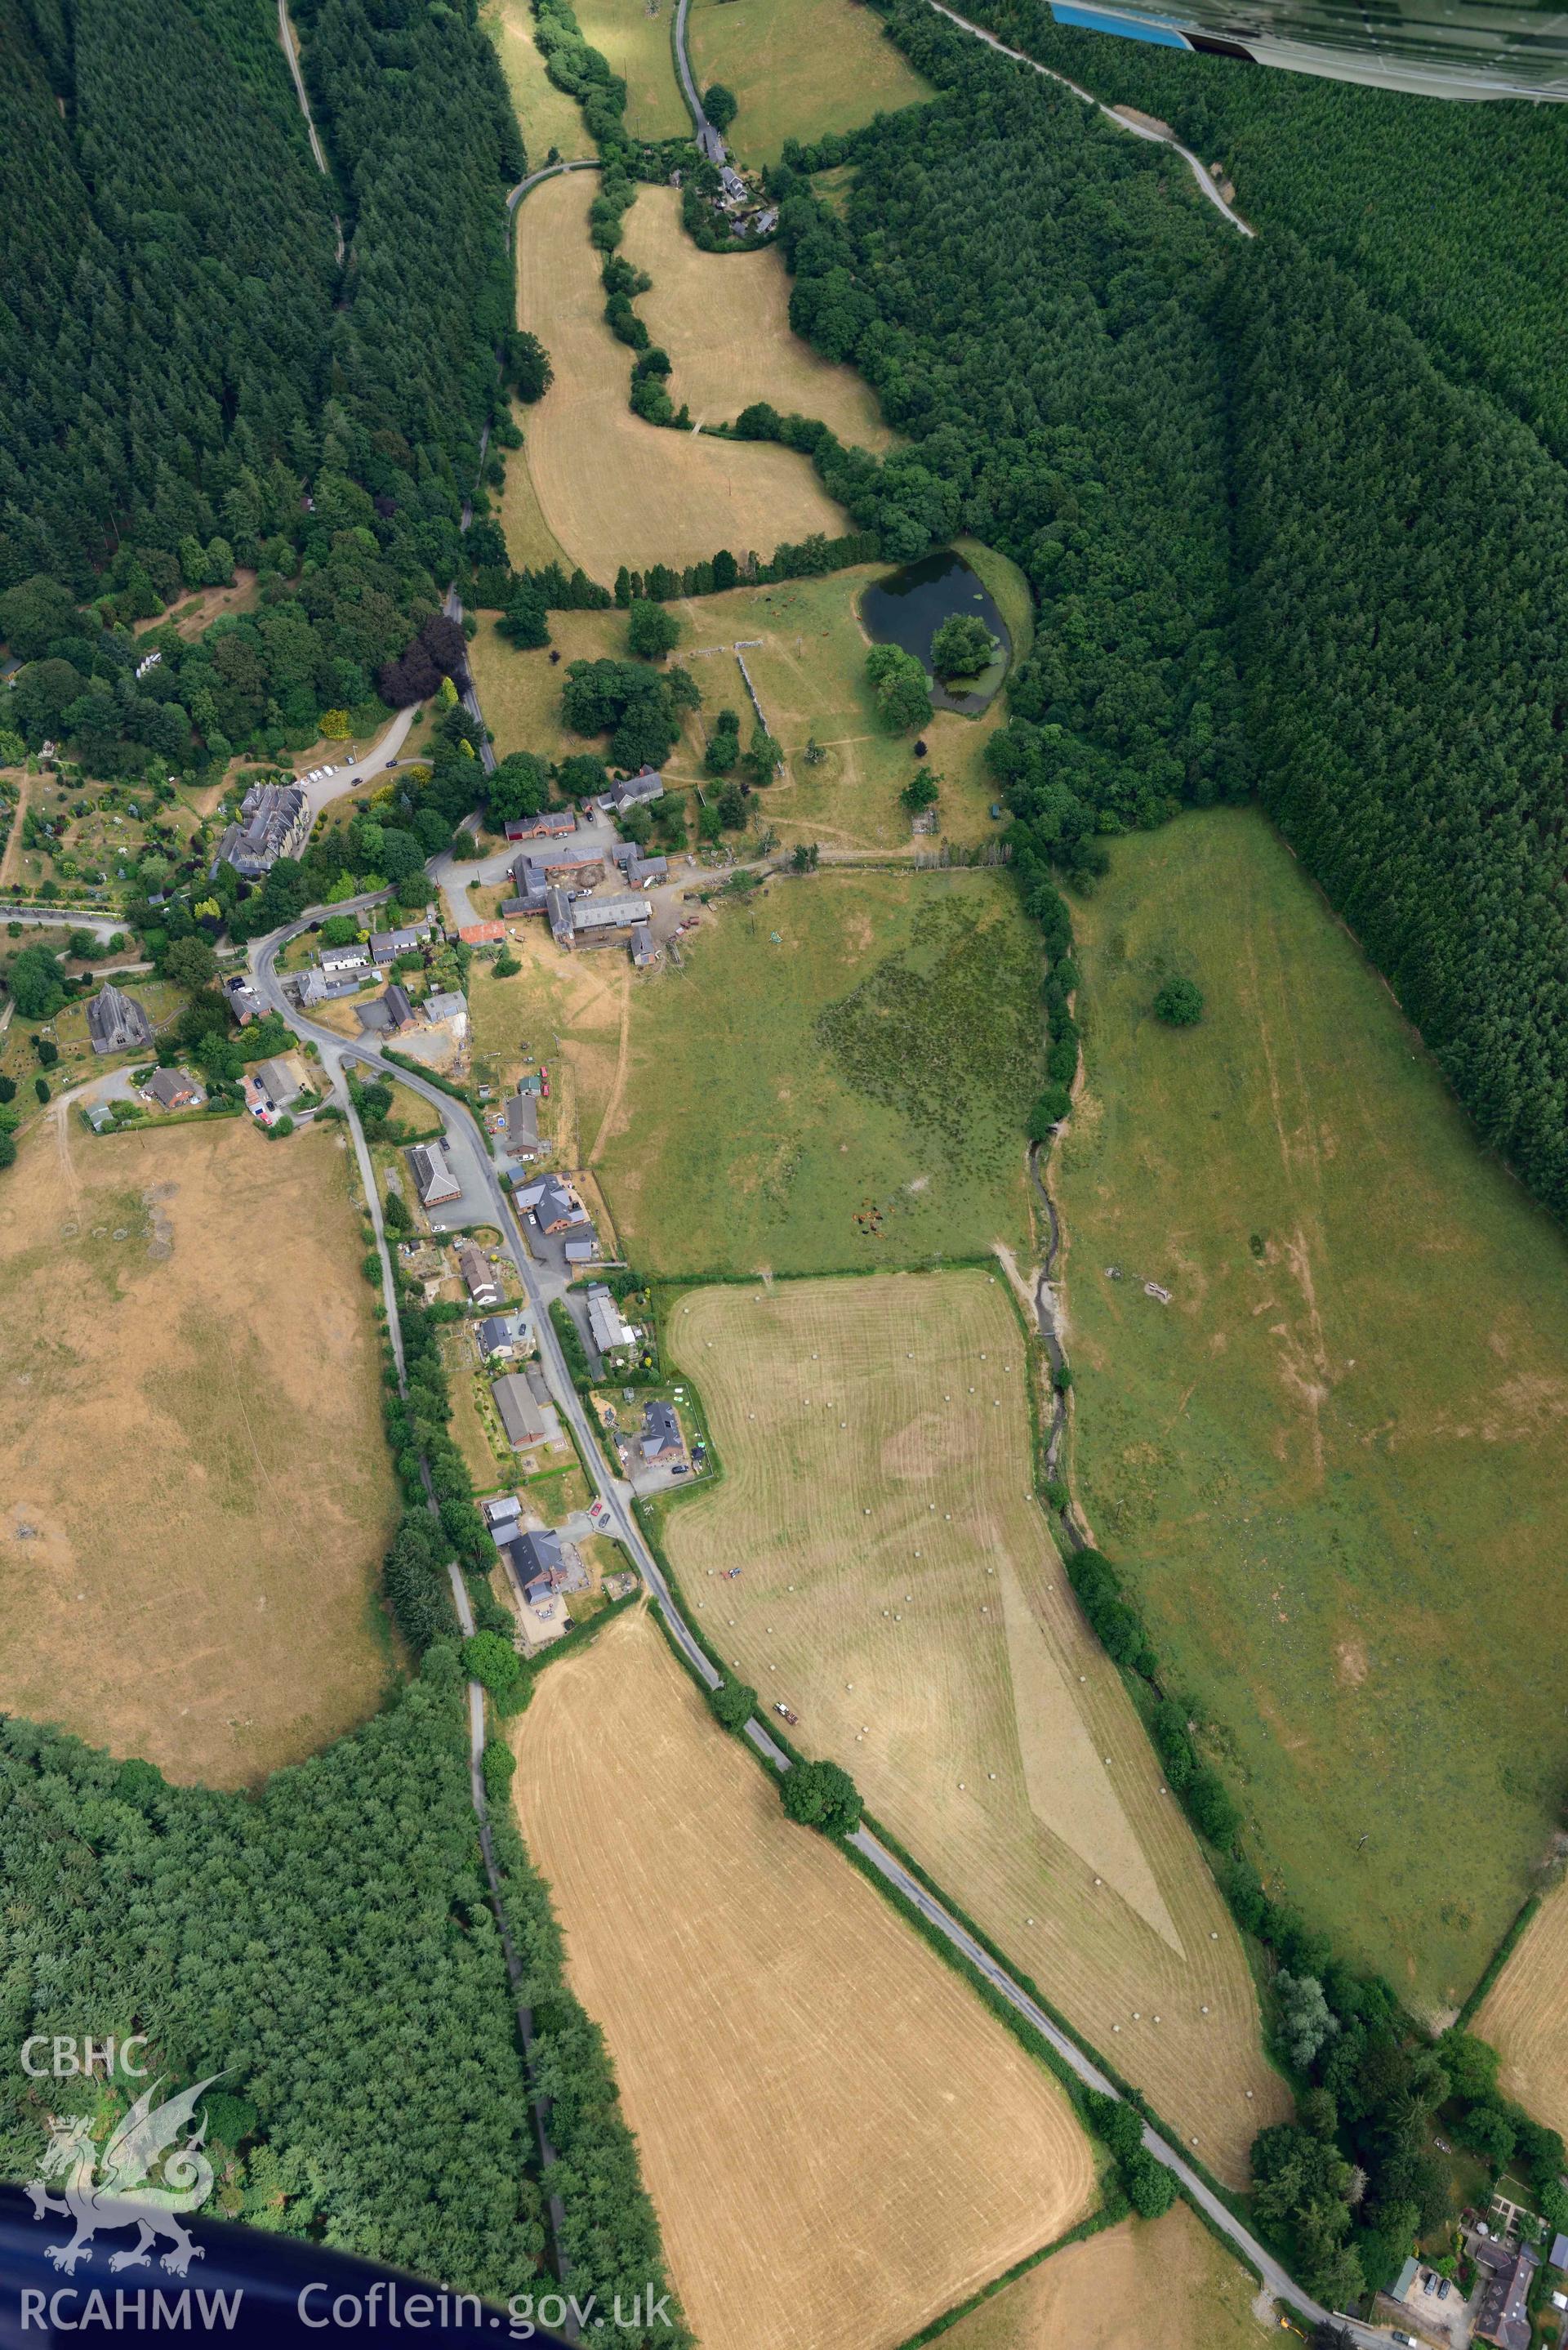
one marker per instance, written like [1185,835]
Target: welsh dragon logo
[117,2188]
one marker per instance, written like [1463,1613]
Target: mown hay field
[1332,1467]
[841,2142]
[839,1078]
[1525,2013]
[1165,2286]
[197,1491]
[546,116]
[635,35]
[807,653]
[800,68]
[723,317]
[898,1588]
[610,488]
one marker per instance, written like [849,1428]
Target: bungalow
[661,1439]
[606,1326]
[633,791]
[117,1022]
[522,1126]
[482,934]
[434,1179]
[550,824]
[499,1335]
[356,956]
[526,1421]
[483,1288]
[172,1089]
[450,1005]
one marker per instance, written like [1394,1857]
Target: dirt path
[286,33]
[12,859]
[617,1083]
[1159,138]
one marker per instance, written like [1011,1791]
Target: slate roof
[660,1432]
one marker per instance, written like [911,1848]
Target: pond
[908,606]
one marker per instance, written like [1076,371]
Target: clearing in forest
[723,317]
[800,68]
[196,1487]
[900,1589]
[1325,1459]
[1168,2282]
[837,1078]
[806,650]
[546,116]
[840,2141]
[608,487]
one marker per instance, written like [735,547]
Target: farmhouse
[526,1419]
[356,956]
[661,1439]
[451,1005]
[734,186]
[172,1089]
[117,1022]
[641,872]
[522,1126]
[1504,2318]
[479,1274]
[606,1326]
[643,951]
[633,791]
[550,824]
[274,821]
[434,1178]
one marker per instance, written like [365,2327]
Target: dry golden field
[723,317]
[1165,2286]
[610,488]
[840,2141]
[1523,2014]
[901,1590]
[190,1427]
[800,68]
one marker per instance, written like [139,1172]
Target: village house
[502,1513]
[733,190]
[274,821]
[580,1244]
[606,1327]
[527,1418]
[434,1179]
[172,1089]
[479,1275]
[278,1082]
[550,824]
[661,1442]
[117,1022]
[325,987]
[499,1336]
[244,1002]
[633,791]
[389,1015]
[1504,2318]
[356,956]
[387,945]
[553,1205]
[544,1565]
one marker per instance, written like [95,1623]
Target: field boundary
[1499,1958]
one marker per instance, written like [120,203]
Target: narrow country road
[549,172]
[469,1150]
[700,121]
[1138,129]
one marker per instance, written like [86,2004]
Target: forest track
[1138,130]
[286,33]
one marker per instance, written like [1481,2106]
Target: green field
[1333,1464]
[800,68]
[747,1130]
[635,35]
